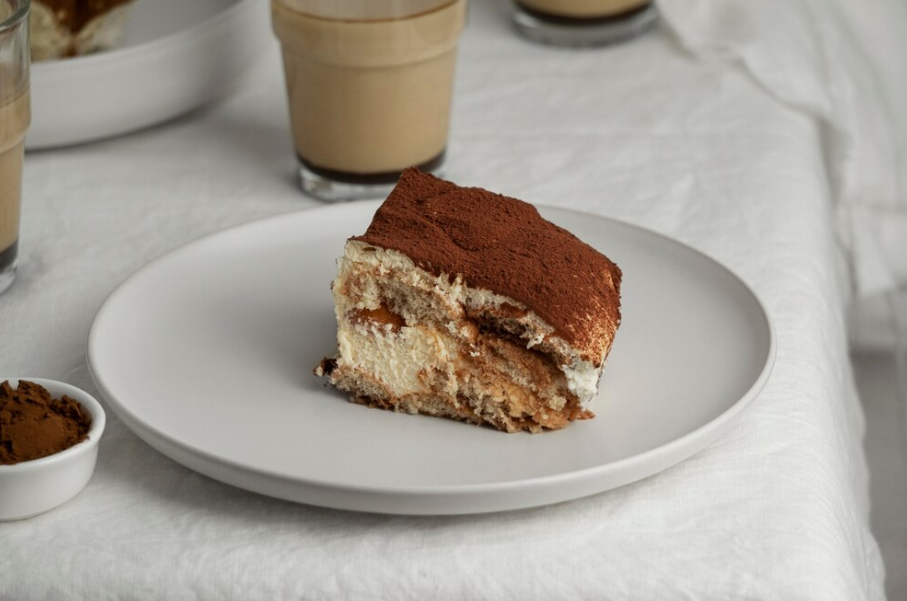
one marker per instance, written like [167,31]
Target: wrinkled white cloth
[775,509]
[842,62]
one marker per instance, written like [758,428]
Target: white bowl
[33,487]
[176,56]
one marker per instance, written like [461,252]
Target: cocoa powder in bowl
[33,424]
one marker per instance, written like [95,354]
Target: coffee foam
[362,10]
[584,9]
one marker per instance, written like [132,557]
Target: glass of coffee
[15,116]
[583,22]
[370,85]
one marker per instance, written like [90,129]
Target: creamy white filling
[104,31]
[402,360]
[582,376]
[49,39]
[582,380]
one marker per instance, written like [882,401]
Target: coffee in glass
[369,84]
[15,117]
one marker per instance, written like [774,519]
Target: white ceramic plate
[207,354]
[176,56]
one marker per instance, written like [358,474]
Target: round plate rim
[675,451]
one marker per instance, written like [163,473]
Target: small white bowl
[33,487]
[176,56]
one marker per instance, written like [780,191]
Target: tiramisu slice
[461,303]
[63,28]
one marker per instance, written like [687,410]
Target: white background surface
[776,509]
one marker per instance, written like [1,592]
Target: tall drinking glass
[15,116]
[369,85]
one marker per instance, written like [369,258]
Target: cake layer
[502,244]
[74,15]
[60,29]
[465,304]
[419,343]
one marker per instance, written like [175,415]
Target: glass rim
[17,17]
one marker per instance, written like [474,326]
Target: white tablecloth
[775,509]
[843,63]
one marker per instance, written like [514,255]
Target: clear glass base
[7,276]
[325,188]
[581,33]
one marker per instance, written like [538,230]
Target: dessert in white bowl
[65,28]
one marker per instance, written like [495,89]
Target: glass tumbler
[15,115]
[369,84]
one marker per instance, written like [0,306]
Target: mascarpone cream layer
[451,298]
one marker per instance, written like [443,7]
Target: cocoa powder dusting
[33,424]
[502,244]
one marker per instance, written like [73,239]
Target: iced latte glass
[369,85]
[14,119]
[583,22]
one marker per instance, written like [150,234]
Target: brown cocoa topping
[325,368]
[33,424]
[502,244]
